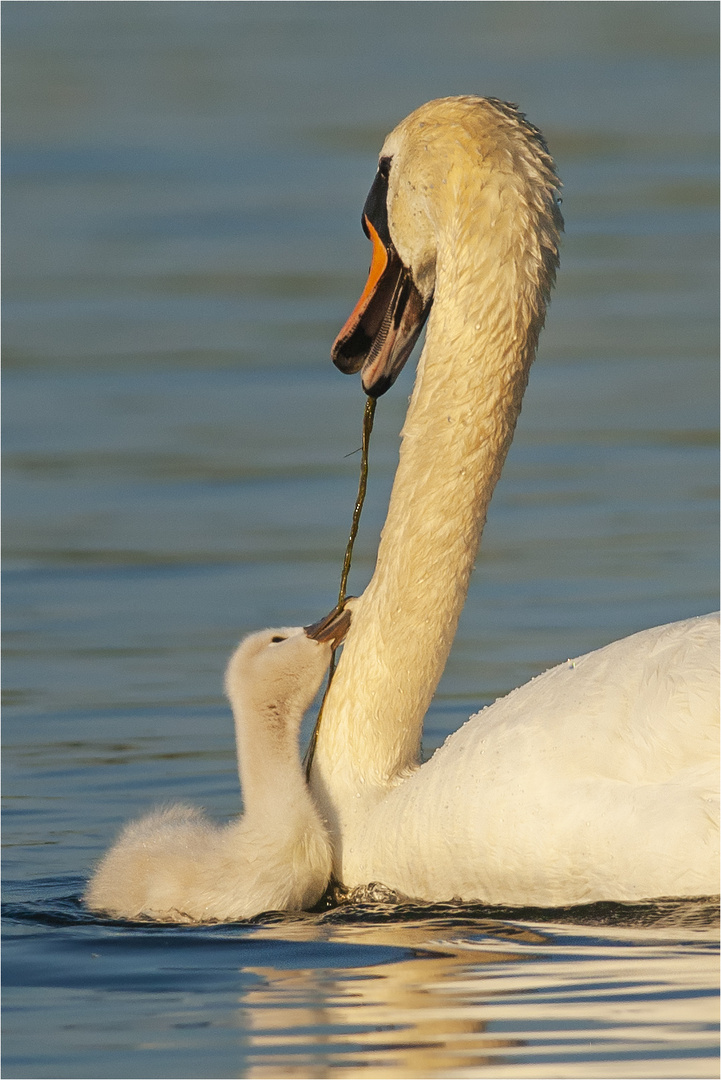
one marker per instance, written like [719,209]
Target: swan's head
[450,175]
[277,672]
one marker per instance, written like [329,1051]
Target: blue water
[183,185]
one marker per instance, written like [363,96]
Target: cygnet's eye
[277,638]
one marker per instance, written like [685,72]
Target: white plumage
[597,780]
[175,865]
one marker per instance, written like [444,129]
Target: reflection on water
[484,997]
[405,991]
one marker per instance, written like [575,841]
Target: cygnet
[175,865]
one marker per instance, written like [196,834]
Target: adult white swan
[174,865]
[598,779]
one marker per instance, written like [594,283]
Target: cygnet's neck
[481,338]
[269,766]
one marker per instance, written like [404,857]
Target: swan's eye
[384,167]
[276,639]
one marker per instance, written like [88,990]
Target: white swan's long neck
[480,342]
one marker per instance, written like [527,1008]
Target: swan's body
[175,865]
[597,780]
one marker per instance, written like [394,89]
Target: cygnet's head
[278,671]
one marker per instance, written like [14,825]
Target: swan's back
[640,710]
[609,761]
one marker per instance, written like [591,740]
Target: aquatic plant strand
[368,415]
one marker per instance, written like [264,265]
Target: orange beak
[385,324]
[379,264]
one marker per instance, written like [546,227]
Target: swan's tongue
[332,628]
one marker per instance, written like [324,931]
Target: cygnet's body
[175,865]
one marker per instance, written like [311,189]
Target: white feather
[597,780]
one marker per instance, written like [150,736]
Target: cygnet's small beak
[332,628]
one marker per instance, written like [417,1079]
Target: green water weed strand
[368,415]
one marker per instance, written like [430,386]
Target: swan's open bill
[597,780]
[387,321]
[174,865]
